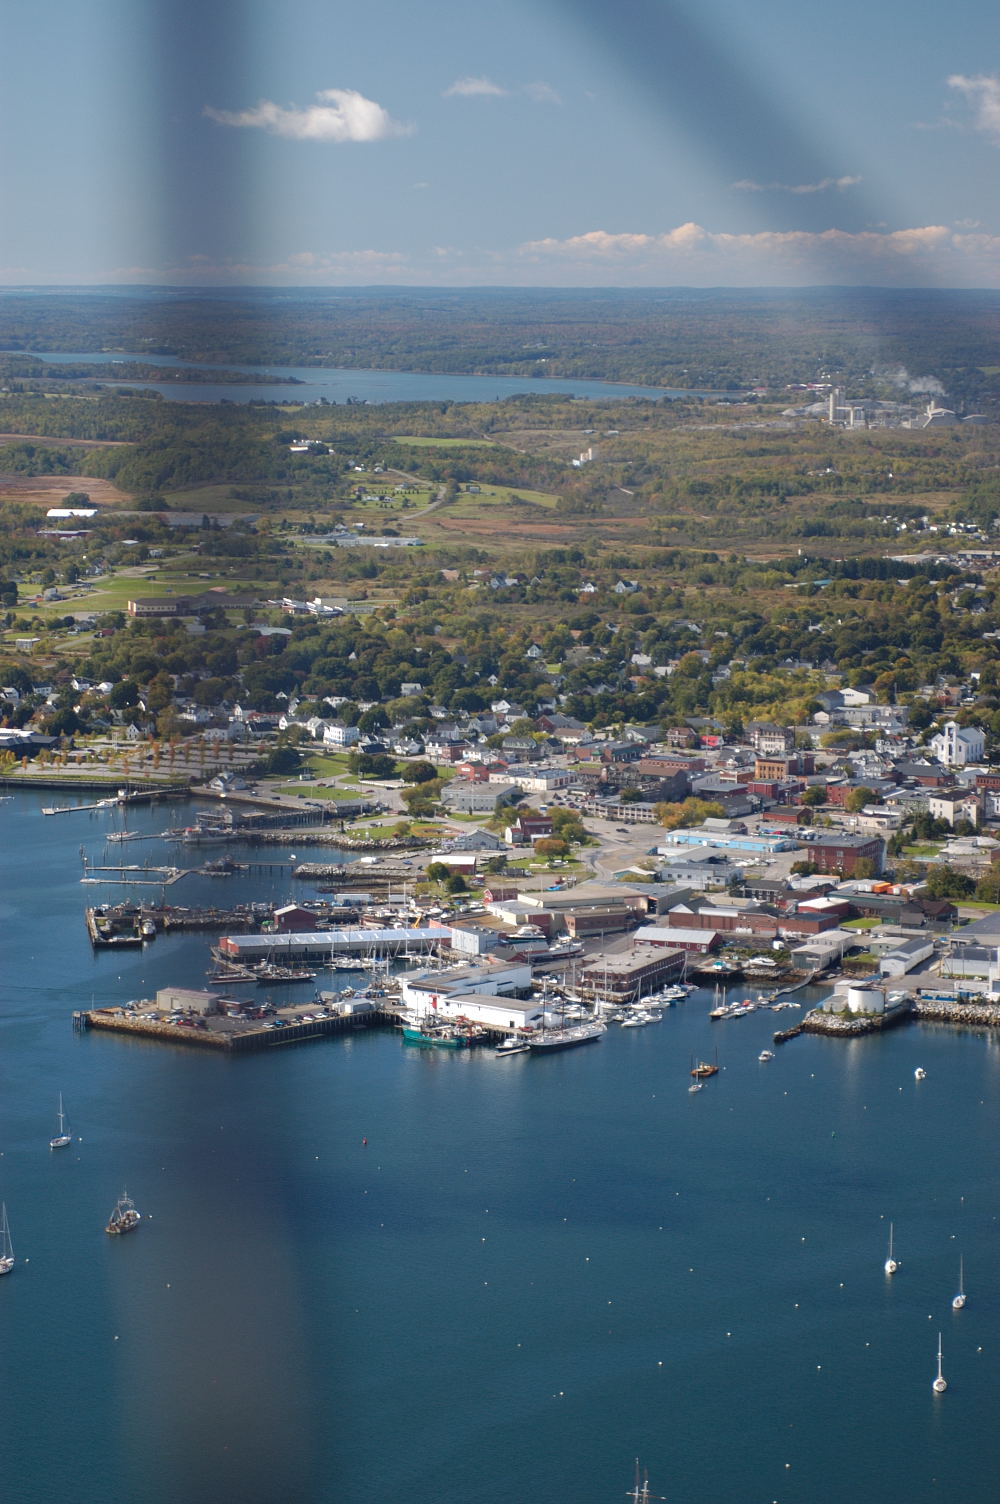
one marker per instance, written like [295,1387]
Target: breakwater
[938,1010]
[850,1025]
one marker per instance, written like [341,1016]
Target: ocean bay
[476,1303]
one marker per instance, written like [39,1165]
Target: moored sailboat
[890,1265]
[62,1139]
[959,1300]
[6,1246]
[940,1384]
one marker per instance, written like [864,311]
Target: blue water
[337,385]
[535,1270]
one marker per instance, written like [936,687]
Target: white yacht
[890,1264]
[959,1300]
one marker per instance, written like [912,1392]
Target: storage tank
[866,999]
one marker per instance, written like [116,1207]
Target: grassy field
[115,593]
[425,443]
[505,495]
[312,791]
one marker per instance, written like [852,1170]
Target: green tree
[419,772]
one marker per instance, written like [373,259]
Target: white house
[336,735]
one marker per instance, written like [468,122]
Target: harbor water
[367,1271]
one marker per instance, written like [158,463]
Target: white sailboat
[62,1139]
[959,1300]
[890,1264]
[6,1246]
[940,1383]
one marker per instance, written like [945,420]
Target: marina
[617,1253]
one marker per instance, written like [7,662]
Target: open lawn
[315,791]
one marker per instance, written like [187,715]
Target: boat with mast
[62,1139]
[124,1218]
[6,1246]
[639,1492]
[890,1265]
[940,1384]
[959,1300]
[705,1068]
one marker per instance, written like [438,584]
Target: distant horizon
[497,287]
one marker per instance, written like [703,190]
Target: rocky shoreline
[936,1010]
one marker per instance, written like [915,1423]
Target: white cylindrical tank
[866,999]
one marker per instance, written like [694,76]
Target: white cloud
[542,93]
[471,88]
[748,185]
[921,255]
[341,115]
[983,94]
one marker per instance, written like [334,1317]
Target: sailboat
[940,1384]
[62,1139]
[639,1493]
[959,1301]
[890,1264]
[6,1246]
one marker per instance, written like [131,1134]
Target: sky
[553,143]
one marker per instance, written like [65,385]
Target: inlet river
[372,1272]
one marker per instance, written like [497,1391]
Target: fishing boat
[890,1264]
[437,1033]
[62,1139]
[959,1300]
[940,1384]
[703,1069]
[124,1218]
[6,1246]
